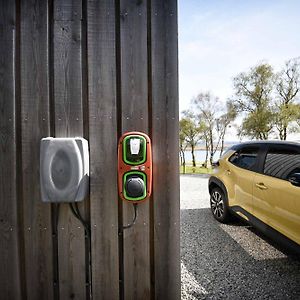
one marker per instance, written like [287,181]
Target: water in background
[200,156]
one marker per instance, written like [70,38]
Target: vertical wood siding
[35,121]
[10,284]
[96,69]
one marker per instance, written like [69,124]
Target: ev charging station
[64,169]
[134,167]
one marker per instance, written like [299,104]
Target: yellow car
[260,182]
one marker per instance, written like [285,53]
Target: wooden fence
[95,69]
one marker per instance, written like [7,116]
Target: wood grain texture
[103,148]
[92,68]
[10,285]
[165,149]
[68,106]
[134,99]
[35,125]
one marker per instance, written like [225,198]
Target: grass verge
[195,170]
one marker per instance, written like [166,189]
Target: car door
[242,166]
[276,201]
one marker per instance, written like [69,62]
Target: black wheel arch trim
[267,230]
[219,183]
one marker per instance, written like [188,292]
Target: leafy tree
[224,121]
[257,124]
[205,137]
[182,143]
[190,129]
[215,121]
[208,106]
[253,92]
[287,90]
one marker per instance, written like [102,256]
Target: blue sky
[220,38]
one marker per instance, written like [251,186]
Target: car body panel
[278,205]
[243,187]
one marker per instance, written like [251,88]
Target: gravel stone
[232,261]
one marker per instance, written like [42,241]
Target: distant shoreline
[202,148]
[231,143]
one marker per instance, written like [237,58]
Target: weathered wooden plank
[166,210]
[35,125]
[10,284]
[134,96]
[67,47]
[103,148]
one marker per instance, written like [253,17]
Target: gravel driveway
[229,261]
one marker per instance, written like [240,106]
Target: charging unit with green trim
[134,167]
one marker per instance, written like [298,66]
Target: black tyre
[219,205]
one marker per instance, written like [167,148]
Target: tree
[208,106]
[190,128]
[224,121]
[257,124]
[205,137]
[287,90]
[253,91]
[215,120]
[182,143]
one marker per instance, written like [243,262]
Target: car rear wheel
[218,205]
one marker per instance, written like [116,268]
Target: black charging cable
[134,218]
[76,212]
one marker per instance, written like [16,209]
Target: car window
[245,158]
[281,163]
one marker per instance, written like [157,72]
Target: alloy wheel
[217,204]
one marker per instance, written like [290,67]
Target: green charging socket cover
[135,174]
[136,158]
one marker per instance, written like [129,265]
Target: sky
[219,39]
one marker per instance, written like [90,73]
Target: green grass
[197,170]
